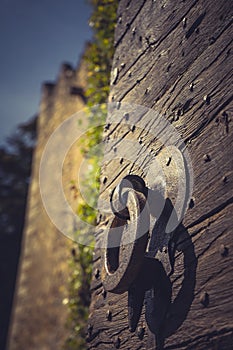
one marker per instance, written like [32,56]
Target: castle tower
[39,316]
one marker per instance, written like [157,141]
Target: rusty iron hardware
[126,241]
[127,267]
[118,198]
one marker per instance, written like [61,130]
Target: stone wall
[39,314]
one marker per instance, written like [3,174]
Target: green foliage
[100,52]
[98,57]
[79,296]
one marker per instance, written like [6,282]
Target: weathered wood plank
[175,59]
[212,270]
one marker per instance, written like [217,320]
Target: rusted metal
[126,266]
[119,194]
[126,242]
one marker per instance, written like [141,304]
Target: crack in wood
[195,25]
[212,212]
[130,23]
[200,337]
[96,286]
[114,179]
[197,132]
[213,276]
[210,244]
[101,342]
[119,140]
[121,330]
[196,77]
[186,68]
[158,42]
[203,62]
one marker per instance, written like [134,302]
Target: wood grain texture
[176,58]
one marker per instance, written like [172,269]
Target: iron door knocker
[126,240]
[126,266]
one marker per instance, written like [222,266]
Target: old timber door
[168,172]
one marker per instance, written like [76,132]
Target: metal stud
[223,250]
[140,332]
[206,158]
[107,126]
[117,342]
[204,299]
[224,179]
[104,293]
[89,330]
[109,315]
[212,40]
[206,99]
[114,76]
[191,203]
[184,22]
[133,127]
[168,161]
[97,273]
[176,117]
[118,105]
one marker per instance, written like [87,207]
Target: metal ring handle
[126,242]
[128,182]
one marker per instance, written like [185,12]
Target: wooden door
[174,61]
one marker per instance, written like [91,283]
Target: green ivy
[98,57]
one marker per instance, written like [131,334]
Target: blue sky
[36,36]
